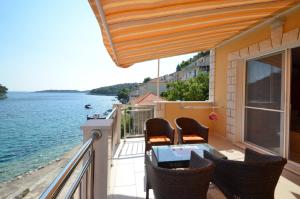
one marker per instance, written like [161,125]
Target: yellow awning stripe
[139,30]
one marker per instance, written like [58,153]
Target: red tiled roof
[147,99]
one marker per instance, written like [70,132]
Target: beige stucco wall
[291,22]
[197,110]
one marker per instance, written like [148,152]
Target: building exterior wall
[180,75]
[231,56]
[192,70]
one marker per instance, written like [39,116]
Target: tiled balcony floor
[128,171]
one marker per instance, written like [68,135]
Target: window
[263,102]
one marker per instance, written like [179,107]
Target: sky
[57,44]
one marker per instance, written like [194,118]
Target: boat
[88,106]
[95,116]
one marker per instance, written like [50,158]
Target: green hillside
[114,89]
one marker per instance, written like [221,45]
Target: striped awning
[139,30]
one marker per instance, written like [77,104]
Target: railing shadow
[119,196]
[296,195]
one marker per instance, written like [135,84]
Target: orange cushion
[158,139]
[192,138]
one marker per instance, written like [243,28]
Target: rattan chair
[190,131]
[187,183]
[158,132]
[254,178]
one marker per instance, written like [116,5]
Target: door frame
[292,166]
[283,100]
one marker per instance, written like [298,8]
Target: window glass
[263,84]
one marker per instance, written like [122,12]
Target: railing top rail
[111,114]
[57,185]
[137,106]
[138,110]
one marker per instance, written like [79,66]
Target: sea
[37,128]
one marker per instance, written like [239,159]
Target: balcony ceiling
[139,30]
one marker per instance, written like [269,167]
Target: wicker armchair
[190,131]
[188,183]
[158,132]
[254,178]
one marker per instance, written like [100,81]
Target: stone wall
[212,63]
[278,40]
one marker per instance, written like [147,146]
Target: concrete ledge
[96,123]
[184,102]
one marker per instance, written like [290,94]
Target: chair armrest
[203,131]
[226,175]
[197,161]
[177,126]
[171,132]
[179,132]
[146,134]
[228,168]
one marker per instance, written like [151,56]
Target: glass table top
[173,153]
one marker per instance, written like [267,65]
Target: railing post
[102,158]
[92,174]
[125,122]
[118,121]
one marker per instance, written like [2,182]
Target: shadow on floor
[130,157]
[118,196]
[291,177]
[296,195]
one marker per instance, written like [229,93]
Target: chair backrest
[188,125]
[157,126]
[267,168]
[256,177]
[190,183]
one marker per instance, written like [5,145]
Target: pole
[157,82]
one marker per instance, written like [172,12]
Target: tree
[175,91]
[178,68]
[195,89]
[204,53]
[123,96]
[147,79]
[3,91]
[198,88]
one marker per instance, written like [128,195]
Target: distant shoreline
[60,91]
[84,92]
[112,95]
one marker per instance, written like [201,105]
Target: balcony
[117,170]
[128,172]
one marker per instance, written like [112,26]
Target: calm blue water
[36,128]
